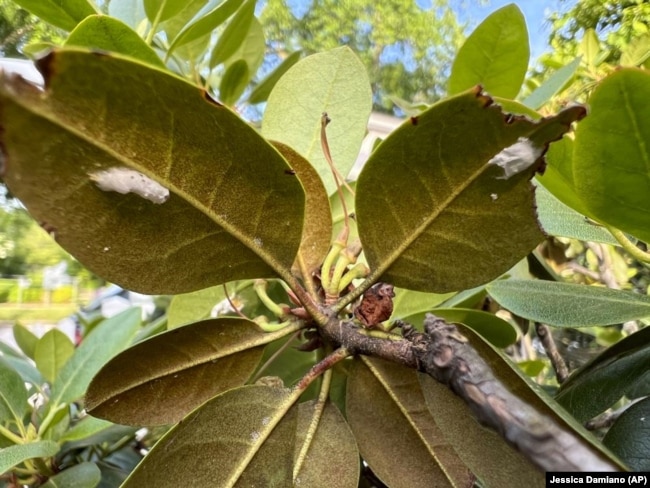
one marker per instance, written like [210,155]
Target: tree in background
[406,49]
[19,28]
[618,23]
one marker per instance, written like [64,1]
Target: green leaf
[332,444]
[205,24]
[233,212]
[388,416]
[637,51]
[252,48]
[568,304]
[494,329]
[14,455]
[161,10]
[409,302]
[105,341]
[603,381]
[13,395]
[495,55]
[485,452]
[291,365]
[263,89]
[24,367]
[558,219]
[109,34]
[558,175]
[590,47]
[52,351]
[234,82]
[241,438]
[338,84]
[197,305]
[106,436]
[83,475]
[192,10]
[317,229]
[628,437]
[552,85]
[611,155]
[160,380]
[63,14]
[25,339]
[86,427]
[233,35]
[532,368]
[444,199]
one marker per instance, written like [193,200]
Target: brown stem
[444,354]
[557,361]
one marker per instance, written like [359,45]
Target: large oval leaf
[233,211]
[611,155]
[495,55]
[244,437]
[65,15]
[335,82]
[388,416]
[14,455]
[109,34]
[629,435]
[603,381]
[332,444]
[435,210]
[160,380]
[316,234]
[568,304]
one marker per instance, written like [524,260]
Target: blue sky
[473,12]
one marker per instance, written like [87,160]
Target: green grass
[36,312]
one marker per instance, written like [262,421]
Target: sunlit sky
[473,12]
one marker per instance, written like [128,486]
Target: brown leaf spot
[209,99]
[414,120]
[290,172]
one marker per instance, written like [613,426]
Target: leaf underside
[229,441]
[161,380]
[433,214]
[233,212]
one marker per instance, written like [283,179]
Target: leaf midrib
[407,416]
[391,257]
[261,340]
[243,239]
